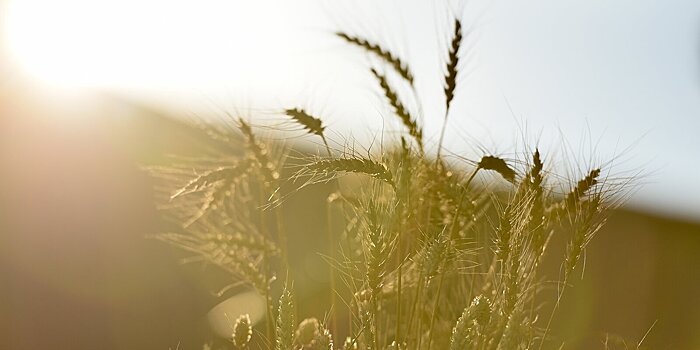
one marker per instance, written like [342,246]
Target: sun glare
[131,43]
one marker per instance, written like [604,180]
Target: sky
[588,81]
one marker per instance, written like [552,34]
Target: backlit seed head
[307,331]
[242,331]
[480,310]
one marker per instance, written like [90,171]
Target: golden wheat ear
[211,177]
[313,335]
[452,67]
[498,165]
[408,121]
[286,320]
[399,66]
[242,332]
[452,64]
[311,124]
[353,165]
[474,320]
[259,152]
[533,185]
[582,187]
[534,177]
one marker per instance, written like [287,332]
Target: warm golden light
[135,44]
[310,174]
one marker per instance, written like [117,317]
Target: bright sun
[132,43]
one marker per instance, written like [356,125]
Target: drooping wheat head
[408,121]
[399,66]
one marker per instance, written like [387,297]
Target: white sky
[604,74]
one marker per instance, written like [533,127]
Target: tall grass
[425,259]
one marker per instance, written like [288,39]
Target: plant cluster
[427,258]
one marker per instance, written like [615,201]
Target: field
[116,289]
[276,227]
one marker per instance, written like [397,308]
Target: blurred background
[91,91]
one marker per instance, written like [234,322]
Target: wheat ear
[452,62]
[210,177]
[399,66]
[534,183]
[242,332]
[498,165]
[354,165]
[259,152]
[286,320]
[310,123]
[581,188]
[451,76]
[471,324]
[413,129]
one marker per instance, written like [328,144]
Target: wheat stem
[435,309]
[332,281]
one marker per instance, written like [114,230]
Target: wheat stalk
[427,264]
